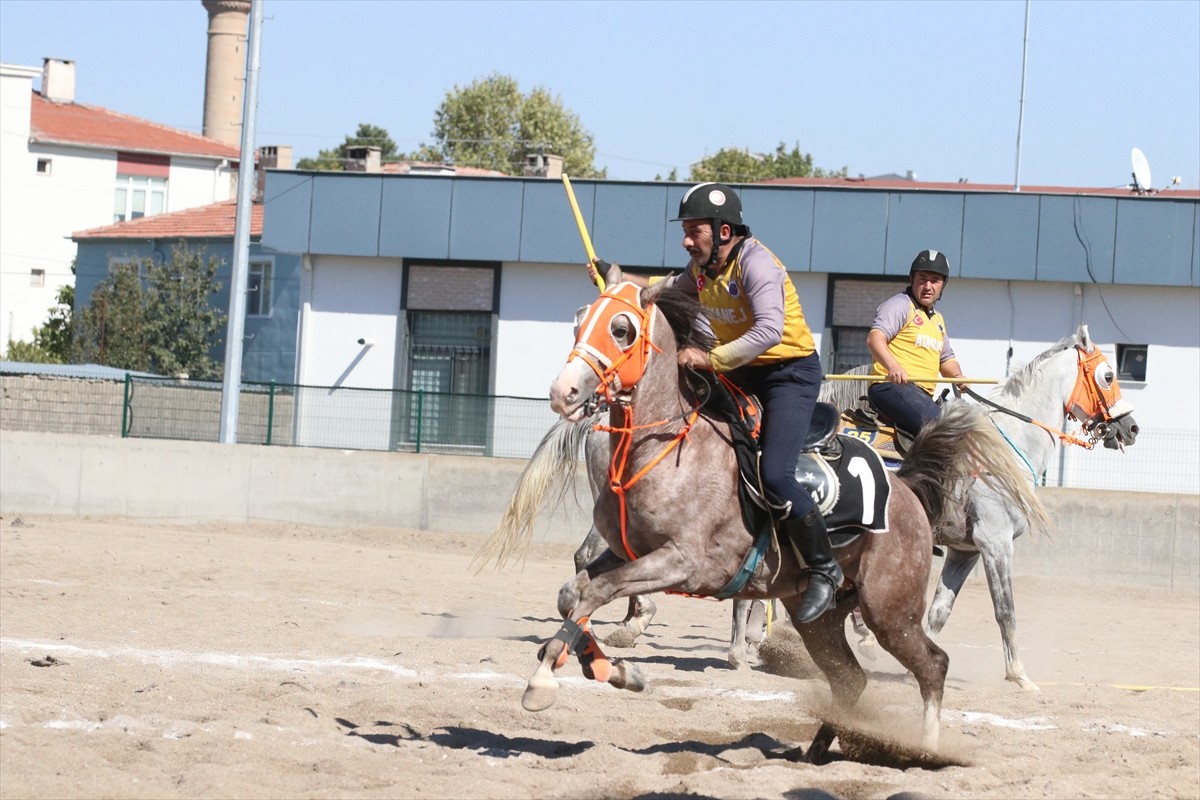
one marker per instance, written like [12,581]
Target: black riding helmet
[931,261]
[716,203]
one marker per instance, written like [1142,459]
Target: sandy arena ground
[142,660]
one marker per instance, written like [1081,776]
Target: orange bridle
[1096,400]
[619,365]
[619,358]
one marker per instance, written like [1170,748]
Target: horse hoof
[538,698]
[1027,685]
[627,676]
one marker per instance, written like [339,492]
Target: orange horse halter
[1096,399]
[619,368]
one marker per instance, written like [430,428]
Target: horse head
[1095,399]
[614,341]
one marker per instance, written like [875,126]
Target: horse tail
[962,445]
[548,474]
[844,395]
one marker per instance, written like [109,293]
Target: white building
[66,166]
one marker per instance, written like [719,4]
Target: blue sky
[878,87]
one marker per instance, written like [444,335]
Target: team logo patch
[918,320]
[733,289]
[700,283]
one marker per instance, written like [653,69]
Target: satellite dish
[1141,171]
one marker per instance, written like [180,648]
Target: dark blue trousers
[907,405]
[788,392]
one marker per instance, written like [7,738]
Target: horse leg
[641,612]
[604,580]
[738,656]
[748,631]
[825,639]
[997,565]
[593,545]
[901,635]
[866,639]
[955,569]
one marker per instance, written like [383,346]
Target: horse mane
[1022,380]
[682,310]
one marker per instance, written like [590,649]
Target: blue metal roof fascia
[1001,234]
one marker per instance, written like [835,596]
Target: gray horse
[670,515]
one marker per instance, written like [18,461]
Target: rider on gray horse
[908,338]
[765,346]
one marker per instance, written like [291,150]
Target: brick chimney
[364,159]
[275,156]
[58,80]
[543,165]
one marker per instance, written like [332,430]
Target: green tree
[739,165]
[52,339]
[183,325]
[155,317]
[111,329]
[490,124]
[334,159]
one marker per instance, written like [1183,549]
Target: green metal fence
[433,422]
[338,417]
[279,414]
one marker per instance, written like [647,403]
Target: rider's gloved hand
[599,269]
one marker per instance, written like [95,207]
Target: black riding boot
[811,540]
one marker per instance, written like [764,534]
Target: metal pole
[271,412]
[125,401]
[1021,113]
[232,385]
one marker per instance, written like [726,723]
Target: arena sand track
[141,660]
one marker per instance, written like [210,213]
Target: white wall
[345,299]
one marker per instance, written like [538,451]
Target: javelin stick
[597,278]
[911,379]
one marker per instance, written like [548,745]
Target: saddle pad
[851,490]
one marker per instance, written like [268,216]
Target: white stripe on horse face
[586,334]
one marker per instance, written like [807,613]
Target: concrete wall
[1119,538]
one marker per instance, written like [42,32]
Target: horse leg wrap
[569,634]
[578,637]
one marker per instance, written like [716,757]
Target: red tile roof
[213,221]
[966,186]
[95,127]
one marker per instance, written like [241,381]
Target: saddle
[839,472]
[869,424]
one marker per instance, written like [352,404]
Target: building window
[139,196]
[37,277]
[449,311]
[1131,362]
[852,305]
[258,289]
[43,166]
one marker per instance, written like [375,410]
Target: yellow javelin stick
[921,379]
[597,278]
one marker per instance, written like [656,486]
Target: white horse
[1070,379]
